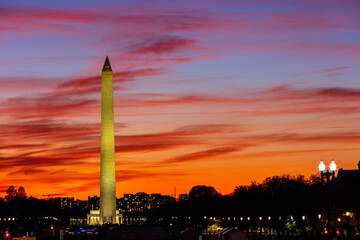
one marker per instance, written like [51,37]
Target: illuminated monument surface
[108,213]
[107,168]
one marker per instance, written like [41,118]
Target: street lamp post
[330,175]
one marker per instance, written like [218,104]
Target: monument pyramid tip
[107,66]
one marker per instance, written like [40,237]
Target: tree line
[285,199]
[285,203]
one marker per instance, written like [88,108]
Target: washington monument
[107,165]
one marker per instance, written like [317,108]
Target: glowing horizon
[204,93]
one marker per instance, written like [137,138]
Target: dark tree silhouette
[21,194]
[282,195]
[11,194]
[203,192]
[287,204]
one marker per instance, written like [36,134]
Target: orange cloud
[206,154]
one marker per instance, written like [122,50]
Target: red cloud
[327,72]
[27,83]
[23,146]
[202,154]
[164,100]
[162,45]
[88,85]
[293,137]
[24,20]
[67,99]
[46,107]
[83,143]
[126,175]
[169,140]
[339,92]
[285,92]
[30,161]
[273,154]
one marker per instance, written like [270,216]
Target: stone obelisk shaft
[107,168]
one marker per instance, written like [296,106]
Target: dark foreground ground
[204,237]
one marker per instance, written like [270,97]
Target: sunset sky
[217,93]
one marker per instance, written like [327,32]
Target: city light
[321,166]
[332,166]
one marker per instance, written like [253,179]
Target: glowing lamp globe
[333,166]
[321,166]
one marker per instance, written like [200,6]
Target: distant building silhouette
[184,197]
[64,202]
[94,203]
[347,189]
